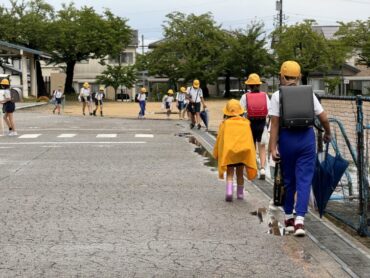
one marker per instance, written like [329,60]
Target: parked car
[235,93]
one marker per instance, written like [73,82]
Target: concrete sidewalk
[353,256]
[132,206]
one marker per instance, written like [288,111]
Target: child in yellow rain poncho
[234,148]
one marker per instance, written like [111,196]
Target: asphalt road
[101,197]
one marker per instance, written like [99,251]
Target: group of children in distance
[295,147]
[87,97]
[187,100]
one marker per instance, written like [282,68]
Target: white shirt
[180,96]
[275,105]
[58,94]
[243,102]
[99,95]
[85,92]
[4,94]
[141,97]
[168,99]
[195,94]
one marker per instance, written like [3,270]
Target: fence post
[360,168]
[320,148]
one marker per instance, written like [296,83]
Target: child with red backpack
[256,104]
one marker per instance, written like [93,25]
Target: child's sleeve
[218,139]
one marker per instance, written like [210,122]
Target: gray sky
[148,15]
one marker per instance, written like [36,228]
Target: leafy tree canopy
[116,76]
[356,34]
[310,49]
[190,49]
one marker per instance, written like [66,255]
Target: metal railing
[357,198]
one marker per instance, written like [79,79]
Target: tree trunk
[203,86]
[41,89]
[227,85]
[68,88]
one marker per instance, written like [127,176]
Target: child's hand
[275,155]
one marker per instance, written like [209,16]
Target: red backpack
[256,105]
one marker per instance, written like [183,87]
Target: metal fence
[350,117]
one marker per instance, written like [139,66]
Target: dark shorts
[58,100]
[8,107]
[257,126]
[235,165]
[194,107]
[83,99]
[168,105]
[97,102]
[181,105]
[89,99]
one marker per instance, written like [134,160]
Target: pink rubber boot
[229,192]
[240,192]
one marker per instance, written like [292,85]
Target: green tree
[116,76]
[27,23]
[331,84]
[309,48]
[190,49]
[246,53]
[356,34]
[82,34]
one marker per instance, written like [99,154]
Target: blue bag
[326,177]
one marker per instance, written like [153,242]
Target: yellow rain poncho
[235,144]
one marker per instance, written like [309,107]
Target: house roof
[11,47]
[328,31]
[156,43]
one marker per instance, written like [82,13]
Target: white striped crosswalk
[75,135]
[29,136]
[67,135]
[106,136]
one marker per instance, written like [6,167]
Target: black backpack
[296,106]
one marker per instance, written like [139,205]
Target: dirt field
[131,110]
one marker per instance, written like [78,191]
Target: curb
[31,105]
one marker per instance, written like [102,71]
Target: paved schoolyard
[113,197]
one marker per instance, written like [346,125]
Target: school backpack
[296,106]
[256,105]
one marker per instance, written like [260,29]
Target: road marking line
[29,136]
[144,135]
[86,129]
[66,143]
[67,135]
[106,136]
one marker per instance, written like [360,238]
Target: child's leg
[240,182]
[229,183]
[11,121]
[6,119]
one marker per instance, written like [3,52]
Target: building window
[127,58]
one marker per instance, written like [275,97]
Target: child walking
[180,99]
[168,99]
[99,96]
[57,96]
[142,102]
[8,106]
[234,149]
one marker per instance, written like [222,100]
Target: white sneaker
[262,174]
[13,133]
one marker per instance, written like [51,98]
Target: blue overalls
[297,150]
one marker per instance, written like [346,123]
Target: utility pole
[279,8]
[142,44]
